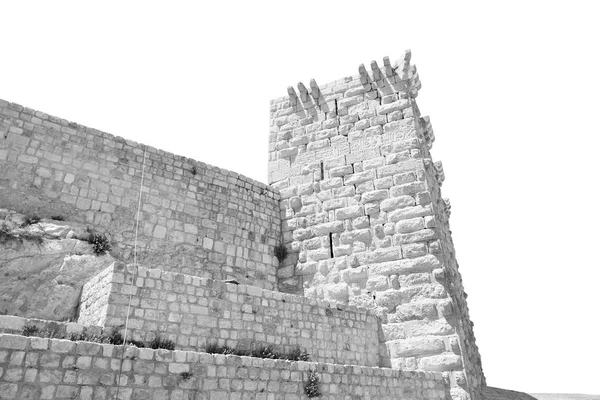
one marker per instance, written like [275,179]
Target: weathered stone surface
[378,283]
[389,299]
[349,212]
[410,225]
[418,236]
[409,212]
[328,227]
[423,292]
[397,202]
[375,195]
[443,362]
[419,346]
[383,255]
[412,328]
[295,203]
[426,263]
[307,268]
[411,311]
[353,275]
[336,292]
[42,278]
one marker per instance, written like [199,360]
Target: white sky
[512,90]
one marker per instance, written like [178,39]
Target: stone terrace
[194,312]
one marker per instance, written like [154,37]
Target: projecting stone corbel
[377,75]
[364,75]
[439,172]
[315,92]
[303,92]
[293,96]
[389,71]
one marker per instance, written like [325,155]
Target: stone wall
[95,298]
[196,218]
[363,215]
[36,368]
[194,312]
[14,325]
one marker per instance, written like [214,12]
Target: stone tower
[364,220]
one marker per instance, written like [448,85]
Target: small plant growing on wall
[280,251]
[30,220]
[312,388]
[194,170]
[297,354]
[159,343]
[186,375]
[30,330]
[100,243]
[266,352]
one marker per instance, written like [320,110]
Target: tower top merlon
[400,78]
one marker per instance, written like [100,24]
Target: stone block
[397,203]
[62,346]
[360,177]
[12,323]
[409,212]
[377,283]
[426,263]
[419,236]
[412,311]
[407,189]
[319,254]
[382,255]
[159,232]
[336,292]
[419,346]
[331,183]
[335,203]
[88,349]
[304,234]
[349,212]
[354,275]
[410,225]
[440,363]
[328,227]
[361,223]
[405,178]
[13,342]
[389,299]
[307,268]
[376,195]
[412,250]
[341,171]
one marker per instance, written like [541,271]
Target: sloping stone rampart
[195,218]
[48,369]
[194,312]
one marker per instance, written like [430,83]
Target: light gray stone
[442,362]
[419,346]
[396,203]
[426,263]
[349,212]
